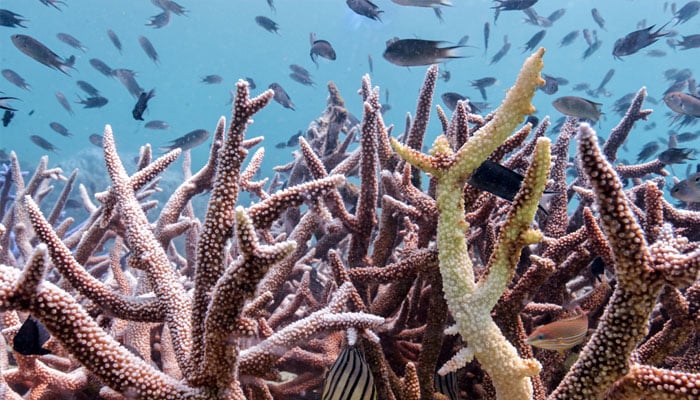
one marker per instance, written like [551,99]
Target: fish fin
[438,14]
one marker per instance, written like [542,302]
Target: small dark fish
[268,24]
[71,41]
[170,5]
[675,155]
[251,83]
[689,42]
[349,378]
[656,53]
[102,67]
[7,117]
[87,88]
[303,79]
[370,63]
[188,141]
[294,139]
[36,50]
[127,78]
[569,38]
[414,52]
[534,41]
[556,15]
[597,268]
[605,80]
[487,33]
[11,19]
[321,48]
[115,40]
[498,180]
[212,79]
[683,103]
[30,338]
[687,136]
[688,189]
[43,143]
[579,87]
[93,102]
[450,99]
[650,127]
[578,107]
[588,37]
[592,49]
[511,5]
[159,21]
[688,11]
[281,96]
[60,129]
[365,8]
[532,120]
[141,104]
[96,140]
[147,47]
[73,204]
[445,75]
[280,145]
[598,18]
[482,84]
[647,151]
[551,85]
[157,125]
[463,40]
[64,102]
[635,41]
[271,4]
[14,78]
[298,69]
[502,52]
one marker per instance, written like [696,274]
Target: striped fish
[560,335]
[349,378]
[447,385]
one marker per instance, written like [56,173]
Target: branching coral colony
[256,302]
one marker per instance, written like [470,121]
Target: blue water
[221,37]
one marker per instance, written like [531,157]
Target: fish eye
[697,179]
[675,189]
[540,336]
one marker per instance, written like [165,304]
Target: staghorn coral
[253,301]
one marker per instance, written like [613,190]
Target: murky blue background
[221,37]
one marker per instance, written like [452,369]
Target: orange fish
[560,335]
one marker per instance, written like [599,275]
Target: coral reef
[440,284]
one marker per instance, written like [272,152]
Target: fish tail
[451,52]
[66,66]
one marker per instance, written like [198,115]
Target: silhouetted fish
[268,24]
[87,88]
[502,52]
[365,8]
[141,104]
[30,338]
[579,107]
[414,52]
[64,102]
[102,67]
[148,48]
[688,11]
[688,189]
[71,41]
[39,52]
[598,18]
[188,141]
[7,117]
[251,83]
[14,78]
[11,19]
[635,41]
[93,102]
[320,48]
[569,38]
[160,20]
[212,79]
[43,143]
[675,155]
[60,129]
[534,41]
[497,180]
[487,33]
[450,99]
[127,78]
[96,140]
[115,40]
[281,96]
[156,124]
